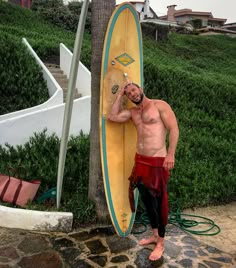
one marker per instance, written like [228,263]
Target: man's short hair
[131,83]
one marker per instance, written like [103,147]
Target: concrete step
[52,65]
[61,79]
[55,70]
[60,76]
[63,83]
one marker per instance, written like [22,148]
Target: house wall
[231,26]
[186,15]
[204,19]
[170,13]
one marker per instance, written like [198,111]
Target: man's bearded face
[134,93]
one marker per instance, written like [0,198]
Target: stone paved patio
[101,247]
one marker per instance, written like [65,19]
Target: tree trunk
[101,13]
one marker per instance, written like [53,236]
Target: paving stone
[89,234]
[96,247]
[42,260]
[190,240]
[61,242]
[82,236]
[4,259]
[172,230]
[142,260]
[223,259]
[34,244]
[173,239]
[70,254]
[100,260]
[81,264]
[103,231]
[200,265]
[172,250]
[212,264]
[213,250]
[190,254]
[119,259]
[9,252]
[188,247]
[201,252]
[8,236]
[186,263]
[117,244]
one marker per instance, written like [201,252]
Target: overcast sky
[225,9]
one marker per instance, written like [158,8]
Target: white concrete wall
[18,130]
[36,220]
[83,82]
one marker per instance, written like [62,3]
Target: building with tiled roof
[188,15]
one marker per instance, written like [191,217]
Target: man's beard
[141,99]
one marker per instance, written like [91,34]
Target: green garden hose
[185,224]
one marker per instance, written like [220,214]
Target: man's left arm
[169,119]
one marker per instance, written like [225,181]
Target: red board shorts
[150,172]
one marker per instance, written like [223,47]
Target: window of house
[179,19]
[204,23]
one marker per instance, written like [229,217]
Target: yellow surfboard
[122,54]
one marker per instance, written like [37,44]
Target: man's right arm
[116,115]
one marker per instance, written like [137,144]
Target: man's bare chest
[149,115]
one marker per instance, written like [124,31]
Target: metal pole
[69,100]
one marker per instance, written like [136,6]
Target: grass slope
[19,73]
[43,37]
[196,75]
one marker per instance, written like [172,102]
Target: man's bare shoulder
[161,104]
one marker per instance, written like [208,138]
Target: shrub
[39,156]
[22,85]
[63,16]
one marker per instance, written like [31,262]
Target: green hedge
[43,36]
[197,77]
[63,16]
[39,156]
[19,73]
[22,84]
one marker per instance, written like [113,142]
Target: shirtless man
[153,119]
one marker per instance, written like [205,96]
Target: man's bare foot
[157,252]
[147,241]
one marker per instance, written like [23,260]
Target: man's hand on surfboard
[123,88]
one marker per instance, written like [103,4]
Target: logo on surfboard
[125,59]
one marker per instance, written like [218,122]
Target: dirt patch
[225,217]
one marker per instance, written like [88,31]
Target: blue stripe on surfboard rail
[108,188]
